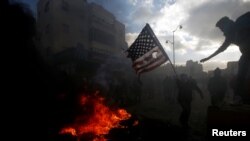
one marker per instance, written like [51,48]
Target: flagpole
[171,65]
[162,49]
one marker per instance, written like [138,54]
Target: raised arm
[219,50]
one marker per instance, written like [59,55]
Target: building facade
[73,31]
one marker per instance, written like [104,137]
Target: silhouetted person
[186,87]
[237,33]
[21,65]
[217,87]
[32,88]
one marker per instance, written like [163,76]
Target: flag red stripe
[147,62]
[145,59]
[153,65]
[146,52]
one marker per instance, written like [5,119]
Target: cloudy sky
[197,39]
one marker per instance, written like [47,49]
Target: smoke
[112,71]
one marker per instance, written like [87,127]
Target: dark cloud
[201,43]
[202,19]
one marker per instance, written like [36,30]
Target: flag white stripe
[143,65]
[142,50]
[145,59]
[153,65]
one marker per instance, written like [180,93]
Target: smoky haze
[85,55]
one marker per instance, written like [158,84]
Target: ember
[100,120]
[69,130]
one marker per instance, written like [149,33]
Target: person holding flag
[146,52]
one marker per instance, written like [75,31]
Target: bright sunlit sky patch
[197,39]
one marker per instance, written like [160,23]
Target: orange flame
[100,122]
[68,130]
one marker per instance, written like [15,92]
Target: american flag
[146,52]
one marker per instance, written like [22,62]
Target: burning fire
[99,121]
[69,130]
